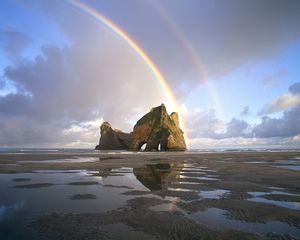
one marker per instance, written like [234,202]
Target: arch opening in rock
[143,146]
[159,147]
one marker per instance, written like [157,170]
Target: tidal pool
[156,201]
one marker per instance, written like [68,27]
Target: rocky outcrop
[113,139]
[159,131]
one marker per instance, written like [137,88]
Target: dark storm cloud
[13,42]
[228,34]
[15,105]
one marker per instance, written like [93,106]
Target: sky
[233,67]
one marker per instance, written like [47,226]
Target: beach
[153,195]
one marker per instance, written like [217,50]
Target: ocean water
[90,150]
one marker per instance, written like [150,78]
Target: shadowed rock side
[157,128]
[113,139]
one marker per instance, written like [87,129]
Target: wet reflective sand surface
[170,197]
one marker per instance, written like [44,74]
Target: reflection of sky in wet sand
[288,164]
[291,205]
[215,217]
[5,209]
[57,198]
[214,194]
[106,193]
[290,167]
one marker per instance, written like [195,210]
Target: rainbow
[199,66]
[138,49]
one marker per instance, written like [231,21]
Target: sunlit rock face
[159,131]
[113,139]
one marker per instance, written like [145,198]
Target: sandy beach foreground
[184,195]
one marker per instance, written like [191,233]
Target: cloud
[96,76]
[285,102]
[232,33]
[235,128]
[275,80]
[244,143]
[204,124]
[245,112]
[286,126]
[26,132]
[13,42]
[295,88]
[225,36]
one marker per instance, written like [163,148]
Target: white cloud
[284,102]
[205,124]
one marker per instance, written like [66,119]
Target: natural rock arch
[143,146]
[157,127]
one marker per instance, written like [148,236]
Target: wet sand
[13,163]
[249,190]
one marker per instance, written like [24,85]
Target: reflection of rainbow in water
[138,49]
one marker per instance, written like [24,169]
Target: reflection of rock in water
[154,176]
[104,172]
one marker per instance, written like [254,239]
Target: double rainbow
[138,49]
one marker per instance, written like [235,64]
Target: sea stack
[159,131]
[113,139]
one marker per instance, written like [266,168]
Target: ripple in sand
[34,185]
[215,217]
[278,198]
[83,183]
[214,194]
[83,196]
[21,179]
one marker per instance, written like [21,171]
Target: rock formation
[159,131]
[113,139]
[156,129]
